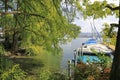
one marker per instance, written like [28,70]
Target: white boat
[90,50]
[95,48]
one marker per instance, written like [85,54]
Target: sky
[85,24]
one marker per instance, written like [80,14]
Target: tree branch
[111,28]
[31,31]
[111,8]
[12,12]
[34,14]
[18,12]
[114,25]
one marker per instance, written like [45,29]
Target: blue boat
[91,41]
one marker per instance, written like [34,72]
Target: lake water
[68,50]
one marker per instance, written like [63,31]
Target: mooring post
[75,57]
[69,69]
[82,49]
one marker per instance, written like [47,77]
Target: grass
[33,65]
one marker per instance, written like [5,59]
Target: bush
[33,50]
[10,71]
[84,72]
[46,74]
[1,50]
[93,70]
[5,64]
[15,73]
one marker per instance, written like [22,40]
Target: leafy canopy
[36,23]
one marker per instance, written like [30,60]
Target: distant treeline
[87,35]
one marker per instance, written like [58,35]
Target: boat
[92,49]
[92,46]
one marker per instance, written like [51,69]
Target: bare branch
[115,8]
[114,25]
[111,28]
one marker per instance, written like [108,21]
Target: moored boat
[91,51]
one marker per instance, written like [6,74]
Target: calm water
[68,50]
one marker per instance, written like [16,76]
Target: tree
[115,72]
[35,23]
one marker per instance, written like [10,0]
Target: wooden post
[82,49]
[75,58]
[69,69]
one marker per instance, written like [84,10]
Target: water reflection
[68,50]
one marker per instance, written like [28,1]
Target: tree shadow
[29,65]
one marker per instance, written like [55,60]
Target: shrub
[93,70]
[1,50]
[83,72]
[46,74]
[15,73]
[5,64]
[9,70]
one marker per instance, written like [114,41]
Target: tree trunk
[115,72]
[7,43]
[15,42]
[6,6]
